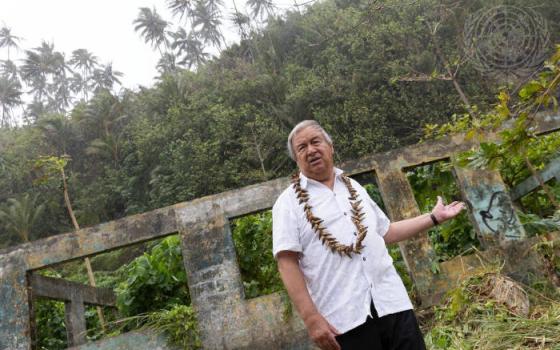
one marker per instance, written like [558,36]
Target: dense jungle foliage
[339,63]
[366,70]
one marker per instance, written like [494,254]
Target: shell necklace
[317,224]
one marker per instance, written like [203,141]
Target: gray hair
[303,125]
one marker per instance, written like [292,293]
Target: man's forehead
[307,134]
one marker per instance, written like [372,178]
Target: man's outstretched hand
[321,332]
[445,212]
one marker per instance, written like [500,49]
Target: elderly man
[329,241]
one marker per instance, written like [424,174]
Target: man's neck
[326,180]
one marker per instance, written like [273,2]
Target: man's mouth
[315,161]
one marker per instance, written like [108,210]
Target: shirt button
[355,233]
[345,213]
[364,258]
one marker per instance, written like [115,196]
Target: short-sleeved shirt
[342,288]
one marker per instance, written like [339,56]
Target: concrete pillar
[489,205]
[14,304]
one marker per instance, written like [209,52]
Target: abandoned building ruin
[227,320]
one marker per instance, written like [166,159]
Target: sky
[103,27]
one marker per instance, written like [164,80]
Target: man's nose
[311,149]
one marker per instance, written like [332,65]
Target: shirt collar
[304,179]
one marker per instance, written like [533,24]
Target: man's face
[314,155]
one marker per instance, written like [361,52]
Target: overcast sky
[103,27]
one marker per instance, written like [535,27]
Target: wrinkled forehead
[307,134]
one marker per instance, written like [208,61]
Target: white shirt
[341,288]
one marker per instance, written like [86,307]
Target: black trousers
[398,331]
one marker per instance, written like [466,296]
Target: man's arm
[320,331]
[404,229]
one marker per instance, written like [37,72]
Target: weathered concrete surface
[551,170]
[129,341]
[400,203]
[75,319]
[14,310]
[490,207]
[61,289]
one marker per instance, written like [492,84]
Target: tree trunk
[91,277]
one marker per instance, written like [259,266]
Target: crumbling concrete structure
[226,319]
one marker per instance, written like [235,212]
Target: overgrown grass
[472,318]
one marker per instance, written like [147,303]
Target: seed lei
[317,223]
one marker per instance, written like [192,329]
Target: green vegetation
[369,72]
[155,280]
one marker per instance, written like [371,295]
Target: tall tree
[189,48]
[86,62]
[44,70]
[181,8]
[206,23]
[20,216]
[104,78]
[8,40]
[10,97]
[260,8]
[9,70]
[152,28]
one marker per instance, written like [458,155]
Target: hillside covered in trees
[369,71]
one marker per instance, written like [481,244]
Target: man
[329,241]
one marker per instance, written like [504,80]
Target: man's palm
[445,212]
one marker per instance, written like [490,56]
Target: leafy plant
[155,280]
[179,324]
[454,237]
[51,329]
[252,237]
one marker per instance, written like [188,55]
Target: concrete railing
[226,319]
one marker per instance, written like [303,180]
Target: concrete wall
[227,320]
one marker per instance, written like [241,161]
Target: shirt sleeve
[285,233]
[383,221]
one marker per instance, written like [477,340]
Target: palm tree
[10,96]
[181,8]
[206,23]
[34,111]
[243,23]
[86,62]
[34,72]
[192,48]
[9,70]
[58,131]
[261,7]
[152,27]
[188,46]
[44,70]
[21,215]
[8,40]
[167,63]
[104,78]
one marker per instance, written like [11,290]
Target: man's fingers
[334,330]
[333,343]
